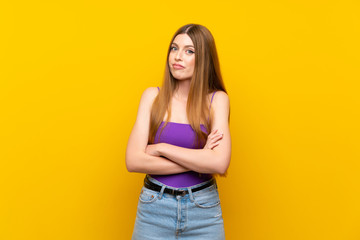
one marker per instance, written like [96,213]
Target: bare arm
[205,160]
[137,160]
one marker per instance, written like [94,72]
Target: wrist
[160,148]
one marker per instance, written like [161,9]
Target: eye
[172,48]
[190,51]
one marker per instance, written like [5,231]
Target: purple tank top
[182,135]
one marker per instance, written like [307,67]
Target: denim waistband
[181,188]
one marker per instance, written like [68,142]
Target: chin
[181,77]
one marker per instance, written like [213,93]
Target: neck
[182,91]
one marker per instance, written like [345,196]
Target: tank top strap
[158,88]
[212,97]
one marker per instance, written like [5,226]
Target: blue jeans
[196,216]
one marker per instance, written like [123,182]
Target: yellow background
[72,73]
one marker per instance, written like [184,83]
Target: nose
[178,56]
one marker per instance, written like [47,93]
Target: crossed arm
[165,158]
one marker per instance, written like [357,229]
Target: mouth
[178,66]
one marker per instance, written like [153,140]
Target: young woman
[181,140]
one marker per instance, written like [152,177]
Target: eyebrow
[185,45]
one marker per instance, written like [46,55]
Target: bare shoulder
[150,93]
[221,109]
[148,96]
[221,99]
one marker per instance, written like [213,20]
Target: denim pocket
[147,195]
[207,198]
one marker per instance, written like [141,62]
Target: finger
[214,142]
[213,132]
[217,138]
[211,135]
[214,145]
[220,134]
[216,135]
[212,138]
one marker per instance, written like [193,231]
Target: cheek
[192,63]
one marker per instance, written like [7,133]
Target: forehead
[183,40]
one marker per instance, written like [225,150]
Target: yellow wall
[71,77]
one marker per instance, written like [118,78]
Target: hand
[213,139]
[152,149]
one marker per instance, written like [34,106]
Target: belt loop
[190,194]
[161,192]
[146,178]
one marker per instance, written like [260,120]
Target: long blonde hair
[206,79]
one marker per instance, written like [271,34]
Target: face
[182,57]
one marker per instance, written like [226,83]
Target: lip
[178,66]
